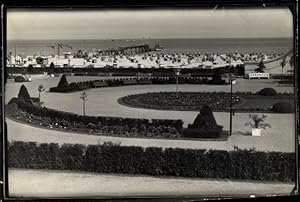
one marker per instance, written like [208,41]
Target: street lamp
[40,89]
[232,82]
[83,96]
[177,73]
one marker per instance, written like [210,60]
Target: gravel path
[43,183]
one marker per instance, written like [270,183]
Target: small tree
[291,62]
[257,121]
[23,93]
[261,67]
[29,69]
[52,68]
[282,64]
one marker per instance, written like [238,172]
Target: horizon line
[147,38]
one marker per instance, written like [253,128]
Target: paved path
[43,183]
[267,142]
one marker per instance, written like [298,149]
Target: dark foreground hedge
[109,158]
[267,92]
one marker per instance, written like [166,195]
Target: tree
[23,93]
[282,64]
[261,67]
[29,69]
[291,62]
[40,89]
[52,68]
[83,96]
[63,82]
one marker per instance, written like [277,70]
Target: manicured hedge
[77,86]
[109,158]
[282,107]
[201,133]
[20,79]
[267,92]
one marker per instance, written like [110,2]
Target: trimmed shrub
[202,133]
[283,107]
[20,79]
[204,126]
[111,158]
[205,119]
[63,82]
[267,92]
[61,89]
[23,93]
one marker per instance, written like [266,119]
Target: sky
[133,24]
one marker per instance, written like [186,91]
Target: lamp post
[232,82]
[40,89]
[177,72]
[83,96]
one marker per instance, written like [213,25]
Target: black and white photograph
[156,102]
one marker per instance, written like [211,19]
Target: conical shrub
[63,82]
[23,93]
[205,119]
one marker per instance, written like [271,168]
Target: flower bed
[193,101]
[113,126]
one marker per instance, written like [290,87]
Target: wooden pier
[128,50]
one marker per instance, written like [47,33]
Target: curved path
[103,102]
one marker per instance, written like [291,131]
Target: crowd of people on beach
[143,60]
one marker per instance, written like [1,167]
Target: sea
[233,45]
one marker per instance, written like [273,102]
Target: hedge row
[106,125]
[77,86]
[109,158]
[201,133]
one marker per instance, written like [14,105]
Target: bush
[283,107]
[23,93]
[205,119]
[202,133]
[61,89]
[110,158]
[63,83]
[267,92]
[20,79]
